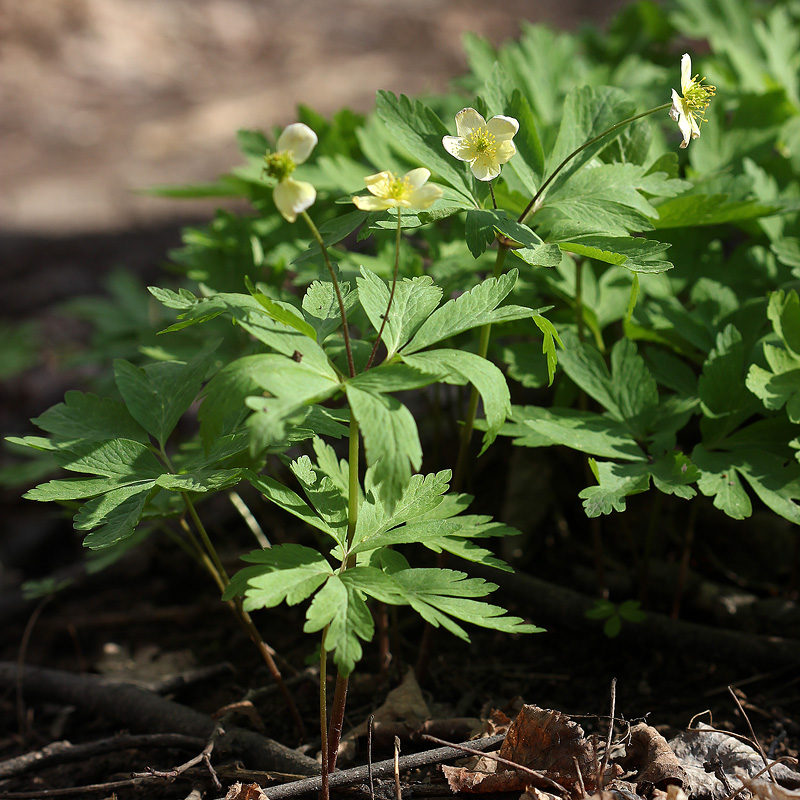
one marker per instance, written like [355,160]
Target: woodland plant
[297,345]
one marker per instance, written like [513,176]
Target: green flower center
[482,142]
[399,187]
[279,165]
[697,96]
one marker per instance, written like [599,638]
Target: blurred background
[101,98]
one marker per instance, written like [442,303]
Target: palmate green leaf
[588,111]
[596,434]
[159,394]
[73,489]
[281,313]
[287,573]
[720,479]
[605,200]
[117,458]
[671,473]
[288,500]
[424,532]
[549,338]
[391,440]
[479,230]
[324,495]
[692,210]
[113,516]
[532,249]
[293,386]
[627,392]
[200,480]
[340,605]
[321,307]
[417,128]
[87,416]
[470,310]
[420,496]
[414,300]
[459,367]
[440,596]
[398,377]
[633,253]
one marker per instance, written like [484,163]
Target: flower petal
[299,140]
[459,148]
[292,197]
[685,125]
[502,128]
[675,111]
[505,150]
[416,177]
[485,168]
[425,196]
[380,183]
[370,203]
[467,120]
[686,72]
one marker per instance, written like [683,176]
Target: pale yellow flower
[688,108]
[485,145]
[294,147]
[390,191]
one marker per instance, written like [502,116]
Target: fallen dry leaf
[551,743]
[702,745]
[250,792]
[767,790]
[649,755]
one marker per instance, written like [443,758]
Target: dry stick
[358,775]
[753,734]
[139,710]
[65,752]
[204,756]
[604,764]
[398,794]
[499,759]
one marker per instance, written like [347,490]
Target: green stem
[391,294]
[340,693]
[579,298]
[345,329]
[534,200]
[472,408]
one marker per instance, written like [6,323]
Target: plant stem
[323,715]
[340,693]
[617,126]
[391,294]
[472,409]
[345,329]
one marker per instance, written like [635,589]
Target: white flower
[294,147]
[390,191]
[485,145]
[688,110]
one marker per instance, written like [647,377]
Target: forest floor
[101,98]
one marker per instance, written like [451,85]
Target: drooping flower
[485,145]
[688,108]
[294,147]
[390,191]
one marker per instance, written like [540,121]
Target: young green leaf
[391,440]
[460,367]
[414,300]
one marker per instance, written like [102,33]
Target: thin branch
[382,769]
[610,736]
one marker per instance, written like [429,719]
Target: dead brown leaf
[767,790]
[649,755]
[551,743]
[250,792]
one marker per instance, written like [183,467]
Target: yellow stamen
[483,142]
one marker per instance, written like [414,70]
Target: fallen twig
[65,752]
[356,775]
[143,711]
